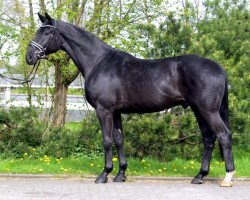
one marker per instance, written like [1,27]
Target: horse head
[46,40]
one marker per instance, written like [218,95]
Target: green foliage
[225,38]
[90,140]
[162,136]
[22,132]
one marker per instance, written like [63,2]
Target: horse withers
[117,82]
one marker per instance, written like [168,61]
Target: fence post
[7,94]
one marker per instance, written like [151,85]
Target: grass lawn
[146,167]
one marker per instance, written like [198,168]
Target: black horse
[117,82]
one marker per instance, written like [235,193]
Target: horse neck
[83,47]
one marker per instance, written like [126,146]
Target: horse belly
[153,102]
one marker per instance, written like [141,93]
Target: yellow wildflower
[114,159]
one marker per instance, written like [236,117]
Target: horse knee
[107,144]
[118,138]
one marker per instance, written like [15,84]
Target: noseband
[39,49]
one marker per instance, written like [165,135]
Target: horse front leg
[119,140]
[106,120]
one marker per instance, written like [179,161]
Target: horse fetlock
[108,168]
[123,164]
[204,172]
[227,181]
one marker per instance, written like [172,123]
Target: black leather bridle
[39,49]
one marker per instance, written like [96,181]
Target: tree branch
[80,12]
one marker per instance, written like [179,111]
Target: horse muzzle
[31,58]
[33,55]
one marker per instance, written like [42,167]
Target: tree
[223,35]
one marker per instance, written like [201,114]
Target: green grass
[73,126]
[136,167]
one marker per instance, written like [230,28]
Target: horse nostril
[29,57]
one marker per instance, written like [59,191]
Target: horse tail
[224,107]
[224,113]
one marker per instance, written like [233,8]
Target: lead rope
[22,81]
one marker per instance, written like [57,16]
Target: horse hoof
[197,181]
[101,179]
[226,183]
[120,178]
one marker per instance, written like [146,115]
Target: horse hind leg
[217,125]
[208,141]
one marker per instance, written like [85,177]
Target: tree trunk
[60,98]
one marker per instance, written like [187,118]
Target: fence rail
[76,104]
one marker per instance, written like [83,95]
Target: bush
[162,136]
[22,132]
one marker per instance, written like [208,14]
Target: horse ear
[48,17]
[42,18]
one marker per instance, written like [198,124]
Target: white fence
[7,99]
